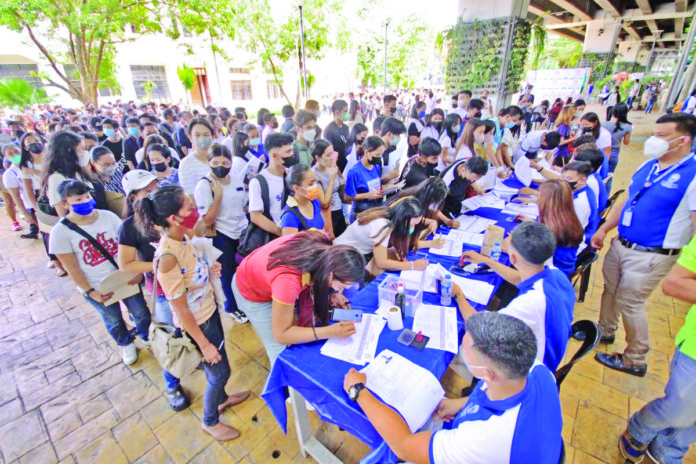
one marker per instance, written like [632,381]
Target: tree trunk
[688,80]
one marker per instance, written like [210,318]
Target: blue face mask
[510,126]
[83,209]
[421,114]
[255,142]
[109,132]
[133,131]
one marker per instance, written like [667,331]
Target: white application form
[474,224]
[359,348]
[474,290]
[413,391]
[488,200]
[440,324]
[464,236]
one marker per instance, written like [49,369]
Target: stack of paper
[405,386]
[440,324]
[464,237]
[359,348]
[451,248]
[531,210]
[433,273]
[484,201]
[523,171]
[474,290]
[412,279]
[474,224]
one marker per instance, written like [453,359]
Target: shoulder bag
[254,236]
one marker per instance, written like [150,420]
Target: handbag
[254,236]
[178,355]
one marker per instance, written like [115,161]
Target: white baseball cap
[136,180]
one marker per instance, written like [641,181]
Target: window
[156,74]
[18,71]
[273,90]
[241,90]
[239,71]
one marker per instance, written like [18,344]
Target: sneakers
[33,232]
[130,353]
[16,226]
[238,315]
[630,449]
[617,362]
[177,398]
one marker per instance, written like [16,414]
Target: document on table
[464,236]
[523,171]
[410,389]
[474,290]
[451,248]
[474,224]
[483,201]
[502,190]
[412,279]
[531,210]
[433,273]
[360,347]
[440,324]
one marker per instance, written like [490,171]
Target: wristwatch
[354,391]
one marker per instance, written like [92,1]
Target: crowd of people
[300,213]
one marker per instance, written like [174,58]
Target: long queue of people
[303,213]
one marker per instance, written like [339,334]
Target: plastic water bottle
[496,251]
[446,291]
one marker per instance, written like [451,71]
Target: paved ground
[65,395]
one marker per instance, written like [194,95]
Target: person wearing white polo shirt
[535,141]
[584,200]
[654,221]
[546,298]
[512,416]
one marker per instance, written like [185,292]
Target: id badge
[627,218]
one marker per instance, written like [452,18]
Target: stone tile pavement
[65,395]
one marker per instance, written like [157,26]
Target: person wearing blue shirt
[546,298]
[364,183]
[594,180]
[302,210]
[655,220]
[576,174]
[512,416]
[132,143]
[507,119]
[256,148]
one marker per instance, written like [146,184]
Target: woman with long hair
[415,126]
[363,181]
[387,234]
[620,129]
[448,139]
[32,146]
[474,133]
[434,124]
[358,134]
[304,269]
[562,126]
[590,125]
[158,161]
[332,183]
[186,282]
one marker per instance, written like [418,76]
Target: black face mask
[376,160]
[430,169]
[36,147]
[478,115]
[392,109]
[359,141]
[290,161]
[160,167]
[220,171]
[437,125]
[573,184]
[586,130]
[531,155]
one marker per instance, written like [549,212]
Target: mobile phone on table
[338,314]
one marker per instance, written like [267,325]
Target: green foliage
[18,94]
[538,42]
[149,87]
[85,33]
[558,52]
[187,76]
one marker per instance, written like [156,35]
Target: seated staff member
[377,230]
[594,180]
[460,179]
[546,298]
[135,255]
[512,416]
[304,266]
[186,282]
[654,222]
[364,183]
[557,212]
[534,142]
[424,164]
[303,208]
[220,199]
[576,174]
[87,266]
[280,156]
[332,185]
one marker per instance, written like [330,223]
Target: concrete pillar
[628,52]
[601,36]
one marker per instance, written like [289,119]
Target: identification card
[626,218]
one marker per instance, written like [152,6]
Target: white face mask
[83,158]
[656,147]
[479,138]
[394,141]
[309,135]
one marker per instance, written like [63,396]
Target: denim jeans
[228,261]
[217,374]
[649,106]
[668,424]
[259,315]
[114,321]
[163,315]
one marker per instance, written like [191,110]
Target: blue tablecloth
[319,378]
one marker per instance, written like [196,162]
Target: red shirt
[259,285]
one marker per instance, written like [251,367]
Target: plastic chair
[591,332]
[583,269]
[604,214]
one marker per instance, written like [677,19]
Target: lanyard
[659,178]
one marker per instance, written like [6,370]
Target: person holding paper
[512,415]
[546,298]
[363,182]
[460,179]
[186,282]
[384,236]
[87,265]
[431,192]
[306,269]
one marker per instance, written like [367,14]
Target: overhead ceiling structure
[646,21]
